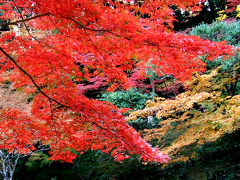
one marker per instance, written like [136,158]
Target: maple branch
[28,30]
[31,78]
[24,20]
[84,27]
[80,25]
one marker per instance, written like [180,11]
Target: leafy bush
[145,123]
[132,98]
[223,31]
[219,31]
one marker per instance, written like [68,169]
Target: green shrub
[132,98]
[144,123]
[219,31]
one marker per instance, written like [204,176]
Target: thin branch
[28,30]
[36,39]
[31,78]
[80,25]
[235,86]
[228,91]
[24,20]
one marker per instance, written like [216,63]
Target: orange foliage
[192,118]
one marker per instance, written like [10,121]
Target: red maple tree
[120,36]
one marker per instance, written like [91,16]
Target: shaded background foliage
[208,14]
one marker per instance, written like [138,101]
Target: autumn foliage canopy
[65,42]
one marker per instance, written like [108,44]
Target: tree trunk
[9,162]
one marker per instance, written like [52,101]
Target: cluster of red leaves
[17,131]
[63,32]
[232,4]
[93,84]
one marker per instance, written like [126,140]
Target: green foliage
[228,75]
[143,123]
[39,159]
[219,31]
[229,69]
[100,166]
[230,65]
[39,167]
[132,98]
[85,164]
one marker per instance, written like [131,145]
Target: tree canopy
[61,43]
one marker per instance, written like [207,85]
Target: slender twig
[27,28]
[235,86]
[228,91]
[23,20]
[36,39]
[31,78]
[80,25]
